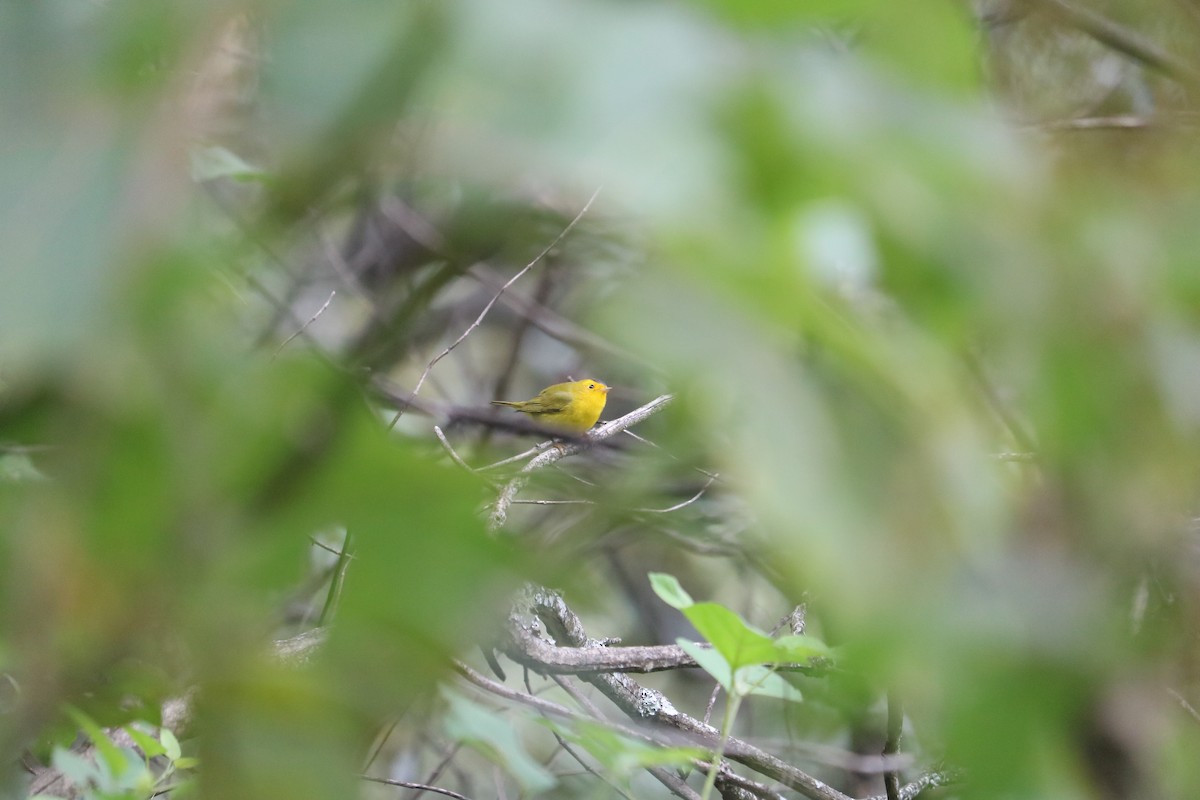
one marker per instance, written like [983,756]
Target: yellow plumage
[571,407]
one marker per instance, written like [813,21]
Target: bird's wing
[550,402]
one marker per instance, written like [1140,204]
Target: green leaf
[208,163]
[766,682]
[710,661]
[150,746]
[799,648]
[494,737]
[170,744]
[186,762]
[622,755]
[135,775]
[19,468]
[771,15]
[669,590]
[738,642]
[79,770]
[112,755]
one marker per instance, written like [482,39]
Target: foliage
[920,278]
[125,772]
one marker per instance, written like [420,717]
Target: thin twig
[311,320]
[337,581]
[583,502]
[550,322]
[1020,458]
[1124,122]
[712,703]
[411,785]
[578,758]
[684,504]
[663,775]
[832,756]
[652,708]
[380,742]
[930,780]
[500,510]
[727,780]
[344,272]
[537,448]
[891,747]
[554,709]
[441,766]
[1185,704]
[326,547]
[500,388]
[1123,40]
[446,444]
[669,454]
[488,307]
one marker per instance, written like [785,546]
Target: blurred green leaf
[711,661]
[669,590]
[771,15]
[622,755]
[738,642]
[81,771]
[149,745]
[467,722]
[799,648]
[220,162]
[113,757]
[19,467]
[764,682]
[938,339]
[170,744]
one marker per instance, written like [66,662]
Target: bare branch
[930,780]
[537,448]
[550,322]
[895,727]
[1126,122]
[1123,40]
[424,787]
[1184,704]
[648,705]
[685,503]
[500,510]
[453,455]
[479,320]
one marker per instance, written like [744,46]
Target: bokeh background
[921,277]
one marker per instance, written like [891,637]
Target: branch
[609,429]
[303,327]
[930,780]
[1123,40]
[488,307]
[424,787]
[895,728]
[176,714]
[651,706]
[528,649]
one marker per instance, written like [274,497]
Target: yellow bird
[571,407]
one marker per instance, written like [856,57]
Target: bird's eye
[591,386]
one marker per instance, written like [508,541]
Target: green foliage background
[943,351]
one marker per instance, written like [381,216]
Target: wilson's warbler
[571,407]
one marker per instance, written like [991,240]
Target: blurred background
[921,278]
